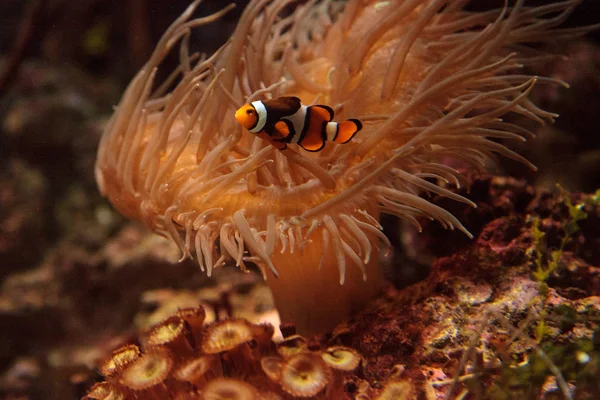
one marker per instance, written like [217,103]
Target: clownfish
[286,120]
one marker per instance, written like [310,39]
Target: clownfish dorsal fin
[283,105]
[325,112]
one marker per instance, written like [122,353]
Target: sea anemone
[148,371]
[194,317]
[103,391]
[272,367]
[304,375]
[398,390]
[172,333]
[228,389]
[119,359]
[430,81]
[342,358]
[291,346]
[198,370]
[226,335]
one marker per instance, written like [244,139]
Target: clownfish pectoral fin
[278,144]
[282,130]
[324,112]
[346,130]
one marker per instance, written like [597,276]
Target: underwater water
[94,302]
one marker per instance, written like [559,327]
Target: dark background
[63,65]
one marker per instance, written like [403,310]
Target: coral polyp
[119,359]
[304,375]
[430,80]
[342,358]
[230,359]
[148,371]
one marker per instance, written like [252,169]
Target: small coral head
[227,362]
[247,116]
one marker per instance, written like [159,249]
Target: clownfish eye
[249,112]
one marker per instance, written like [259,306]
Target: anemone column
[309,293]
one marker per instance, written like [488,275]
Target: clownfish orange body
[286,120]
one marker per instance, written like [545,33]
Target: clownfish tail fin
[346,130]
